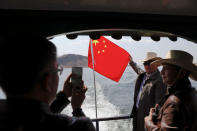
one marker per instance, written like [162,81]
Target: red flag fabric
[110,60]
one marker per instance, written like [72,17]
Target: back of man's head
[22,58]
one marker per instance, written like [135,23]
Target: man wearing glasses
[29,78]
[149,90]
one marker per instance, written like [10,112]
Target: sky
[137,49]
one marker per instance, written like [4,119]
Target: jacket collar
[179,85]
[153,75]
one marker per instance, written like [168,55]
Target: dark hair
[22,58]
[178,68]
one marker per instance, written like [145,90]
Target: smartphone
[77,77]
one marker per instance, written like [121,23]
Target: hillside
[71,60]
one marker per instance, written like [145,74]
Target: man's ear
[45,83]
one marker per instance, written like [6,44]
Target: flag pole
[92,52]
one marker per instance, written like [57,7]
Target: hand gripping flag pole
[92,52]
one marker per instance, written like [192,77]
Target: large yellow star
[95,42]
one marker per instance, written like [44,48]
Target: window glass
[115,98]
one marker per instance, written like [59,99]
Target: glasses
[59,70]
[146,63]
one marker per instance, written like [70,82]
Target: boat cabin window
[113,98]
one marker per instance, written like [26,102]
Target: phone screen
[76,77]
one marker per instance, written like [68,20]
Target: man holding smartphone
[29,78]
[77,95]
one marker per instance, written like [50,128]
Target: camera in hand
[155,114]
[76,77]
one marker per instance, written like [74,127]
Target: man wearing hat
[149,90]
[178,110]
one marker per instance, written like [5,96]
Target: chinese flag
[110,60]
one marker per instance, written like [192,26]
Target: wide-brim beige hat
[151,56]
[181,59]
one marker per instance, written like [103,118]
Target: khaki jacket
[179,111]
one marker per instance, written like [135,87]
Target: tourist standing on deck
[178,110]
[149,90]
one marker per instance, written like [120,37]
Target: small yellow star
[103,50]
[95,42]
[99,52]
[103,41]
[105,46]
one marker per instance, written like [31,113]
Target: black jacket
[152,92]
[31,115]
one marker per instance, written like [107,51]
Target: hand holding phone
[77,77]
[155,113]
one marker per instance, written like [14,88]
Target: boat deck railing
[110,119]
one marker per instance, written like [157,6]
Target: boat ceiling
[167,7]
[106,17]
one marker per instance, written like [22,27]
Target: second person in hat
[178,109]
[149,90]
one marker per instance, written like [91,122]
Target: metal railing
[110,119]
